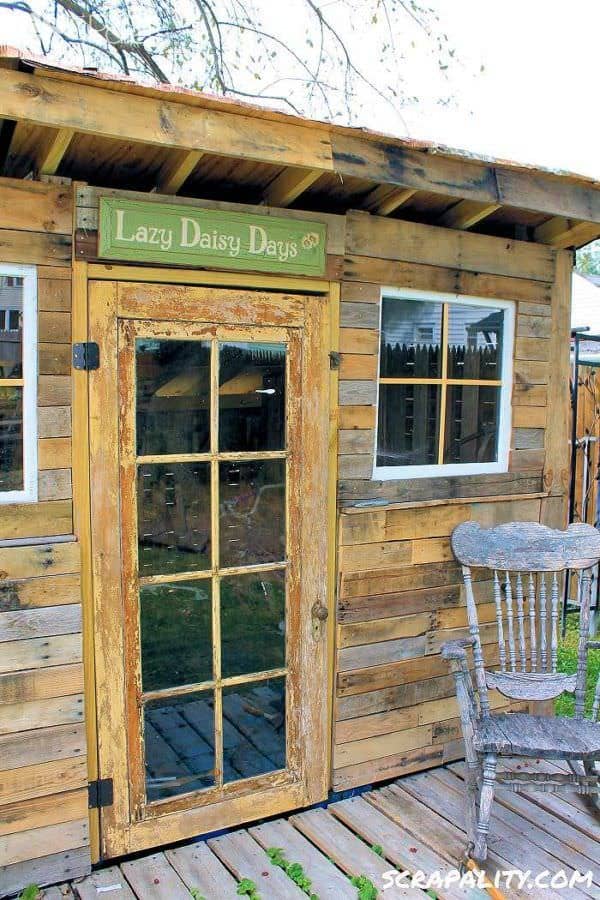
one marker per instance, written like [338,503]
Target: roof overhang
[114,132]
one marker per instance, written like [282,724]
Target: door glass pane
[178,757]
[173,389]
[411,332]
[176,633]
[11,439]
[254,728]
[173,518]
[252,623]
[11,326]
[251,397]
[475,342]
[408,424]
[471,424]
[252,512]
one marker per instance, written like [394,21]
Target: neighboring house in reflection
[585,313]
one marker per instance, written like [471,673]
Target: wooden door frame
[83,273]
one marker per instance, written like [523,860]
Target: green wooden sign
[191,236]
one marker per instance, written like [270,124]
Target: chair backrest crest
[528,561]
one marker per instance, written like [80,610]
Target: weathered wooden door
[209,435]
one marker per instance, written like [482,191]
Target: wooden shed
[254,369]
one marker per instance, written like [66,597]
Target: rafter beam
[288,185]
[87,105]
[52,149]
[466,213]
[176,170]
[564,233]
[386,198]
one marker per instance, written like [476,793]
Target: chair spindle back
[528,562]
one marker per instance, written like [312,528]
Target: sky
[526,85]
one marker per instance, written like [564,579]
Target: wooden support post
[564,233]
[386,198]
[288,186]
[176,170]
[466,213]
[52,149]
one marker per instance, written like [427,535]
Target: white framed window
[444,386]
[18,384]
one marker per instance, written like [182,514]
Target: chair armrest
[593,645]
[457,649]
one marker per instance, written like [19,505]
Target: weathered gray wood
[524,550]
[526,546]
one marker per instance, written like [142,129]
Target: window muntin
[18,376]
[444,385]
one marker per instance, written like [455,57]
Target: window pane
[475,342]
[173,518]
[410,338]
[176,634]
[173,389]
[251,397]
[472,414]
[11,439]
[252,623]
[178,756]
[11,326]
[252,512]
[408,428]
[254,728]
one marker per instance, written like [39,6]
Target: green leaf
[378,849]
[31,892]
[196,894]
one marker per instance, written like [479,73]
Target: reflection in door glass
[251,397]
[254,728]
[173,518]
[179,745]
[176,633]
[173,389]
[252,512]
[252,623]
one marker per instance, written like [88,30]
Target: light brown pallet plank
[326,878]
[246,859]
[152,878]
[199,868]
[346,850]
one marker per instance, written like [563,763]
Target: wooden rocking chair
[528,562]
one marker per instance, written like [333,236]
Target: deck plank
[199,868]
[567,842]
[246,859]
[346,850]
[111,881]
[327,880]
[152,878]
[504,843]
[404,850]
[447,840]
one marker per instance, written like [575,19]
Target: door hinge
[86,356]
[100,793]
[334,360]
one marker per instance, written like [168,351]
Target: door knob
[319,616]
[319,611]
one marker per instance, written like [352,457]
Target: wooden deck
[417,822]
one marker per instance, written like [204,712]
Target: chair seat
[518,734]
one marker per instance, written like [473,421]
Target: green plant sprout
[365,887]
[292,869]
[247,888]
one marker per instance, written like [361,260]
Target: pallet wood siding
[43,766]
[399,590]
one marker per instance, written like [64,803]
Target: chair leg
[472,783]
[592,767]
[486,799]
